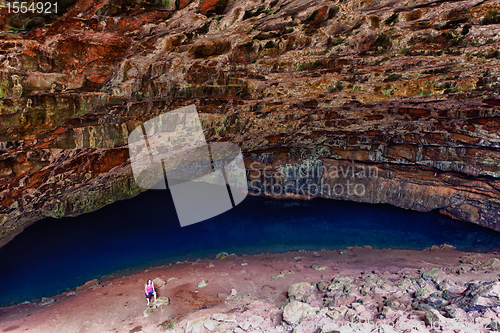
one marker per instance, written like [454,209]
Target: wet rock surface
[397,98]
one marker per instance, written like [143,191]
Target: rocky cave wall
[398,98]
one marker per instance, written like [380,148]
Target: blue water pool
[54,255]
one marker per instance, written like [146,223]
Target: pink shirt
[149,288]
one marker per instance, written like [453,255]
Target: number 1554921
[32,7]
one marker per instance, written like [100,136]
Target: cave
[271,165]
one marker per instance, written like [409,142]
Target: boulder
[342,283]
[255,321]
[210,324]
[432,274]
[433,318]
[295,312]
[492,263]
[159,282]
[196,325]
[149,310]
[162,300]
[469,260]
[47,300]
[318,267]
[89,284]
[480,296]
[299,290]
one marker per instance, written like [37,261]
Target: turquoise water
[54,255]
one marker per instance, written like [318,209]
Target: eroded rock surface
[371,101]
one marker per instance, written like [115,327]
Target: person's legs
[147,297]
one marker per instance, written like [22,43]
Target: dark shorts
[151,293]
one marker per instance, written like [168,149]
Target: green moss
[492,17]
[393,75]
[4,89]
[382,44]
[169,324]
[335,87]
[337,41]
[389,91]
[307,65]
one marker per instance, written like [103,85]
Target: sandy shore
[262,299]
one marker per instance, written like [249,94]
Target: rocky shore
[407,87]
[352,290]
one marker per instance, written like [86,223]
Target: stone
[424,291]
[334,314]
[447,247]
[255,321]
[341,282]
[47,300]
[457,313]
[244,325]
[490,264]
[210,324]
[159,282]
[219,316]
[295,312]
[88,285]
[464,269]
[432,274]
[329,328]
[469,260]
[196,325]
[318,267]
[230,318]
[162,300]
[203,283]
[300,289]
[149,310]
[223,317]
[479,296]
[306,326]
[434,318]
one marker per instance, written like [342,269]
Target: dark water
[53,255]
